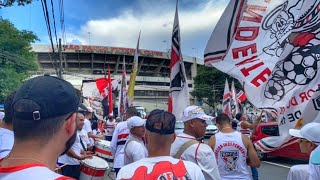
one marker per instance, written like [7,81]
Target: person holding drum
[77,152]
[134,148]
[44,123]
[160,126]
[119,139]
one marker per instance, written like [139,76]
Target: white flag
[273,47]
[179,93]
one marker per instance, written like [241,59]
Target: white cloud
[156,26]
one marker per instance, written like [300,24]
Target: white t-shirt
[134,150]
[162,167]
[119,138]
[200,153]
[76,148]
[30,172]
[87,127]
[299,172]
[6,142]
[314,167]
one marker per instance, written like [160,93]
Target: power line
[47,19]
[54,22]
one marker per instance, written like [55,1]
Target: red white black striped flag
[179,94]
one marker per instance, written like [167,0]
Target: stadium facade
[84,62]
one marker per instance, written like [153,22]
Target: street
[276,168]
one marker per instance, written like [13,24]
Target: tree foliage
[209,85]
[7,3]
[16,58]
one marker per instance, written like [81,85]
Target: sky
[118,22]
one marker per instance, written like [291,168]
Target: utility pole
[60,57]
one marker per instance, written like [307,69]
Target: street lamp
[89,33]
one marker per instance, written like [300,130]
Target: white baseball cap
[1,115]
[310,131]
[194,112]
[135,121]
[89,109]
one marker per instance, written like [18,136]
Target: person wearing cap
[109,126]
[233,151]
[44,123]
[6,128]
[187,147]
[309,140]
[119,139]
[160,126]
[87,126]
[134,149]
[77,152]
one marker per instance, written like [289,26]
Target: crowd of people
[46,133]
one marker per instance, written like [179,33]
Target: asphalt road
[276,168]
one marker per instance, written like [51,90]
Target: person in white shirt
[87,126]
[309,141]
[159,164]
[110,125]
[119,139]
[6,128]
[44,123]
[77,152]
[134,149]
[234,151]
[186,146]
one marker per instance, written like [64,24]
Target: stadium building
[81,62]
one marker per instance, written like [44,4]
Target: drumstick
[60,167]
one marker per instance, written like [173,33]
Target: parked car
[211,129]
[179,127]
[272,129]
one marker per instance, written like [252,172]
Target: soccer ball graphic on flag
[274,90]
[300,67]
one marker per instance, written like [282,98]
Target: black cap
[55,97]
[161,122]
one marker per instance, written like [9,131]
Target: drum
[93,169]
[103,149]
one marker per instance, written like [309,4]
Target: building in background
[81,62]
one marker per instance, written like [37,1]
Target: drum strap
[82,144]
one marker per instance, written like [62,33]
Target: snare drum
[93,169]
[103,149]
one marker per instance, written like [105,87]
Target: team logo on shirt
[230,158]
[163,170]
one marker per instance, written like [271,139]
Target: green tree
[16,57]
[209,85]
[7,3]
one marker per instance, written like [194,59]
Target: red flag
[110,93]
[102,84]
[241,96]
[179,95]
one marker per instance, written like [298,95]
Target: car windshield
[179,125]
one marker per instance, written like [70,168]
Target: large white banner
[273,47]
